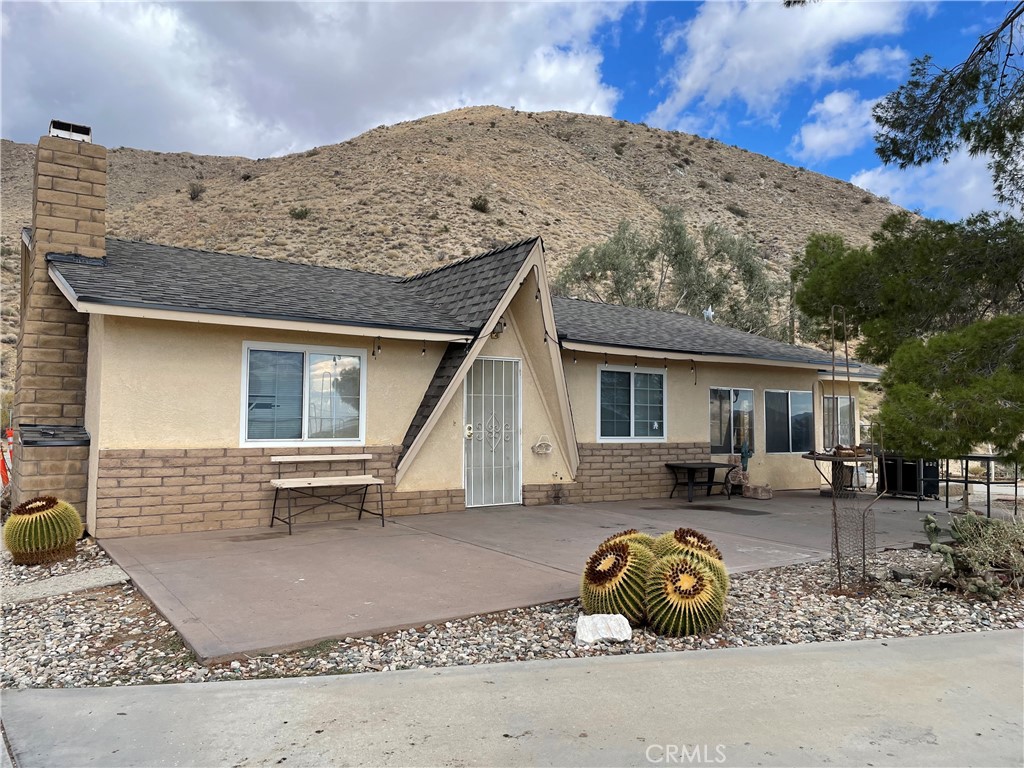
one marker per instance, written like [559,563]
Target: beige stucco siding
[687,406]
[440,463]
[179,385]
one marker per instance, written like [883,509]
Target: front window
[788,422]
[732,419]
[631,404]
[295,394]
[838,416]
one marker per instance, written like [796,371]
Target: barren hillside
[398,198]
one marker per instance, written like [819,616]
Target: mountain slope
[397,199]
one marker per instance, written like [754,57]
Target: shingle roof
[470,289]
[630,327]
[452,358]
[140,274]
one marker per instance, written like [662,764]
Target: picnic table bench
[329,490]
[686,471]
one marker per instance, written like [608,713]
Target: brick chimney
[68,217]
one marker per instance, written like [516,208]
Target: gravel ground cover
[113,636]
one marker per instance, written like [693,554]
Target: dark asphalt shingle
[613,325]
[470,289]
[140,274]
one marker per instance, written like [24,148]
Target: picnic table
[686,471]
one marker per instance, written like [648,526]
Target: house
[155,383]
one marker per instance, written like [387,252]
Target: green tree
[945,396]
[978,104]
[919,278]
[673,270]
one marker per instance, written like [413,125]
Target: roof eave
[96,305]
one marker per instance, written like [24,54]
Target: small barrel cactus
[684,597]
[682,539]
[633,535]
[614,580]
[688,541]
[42,530]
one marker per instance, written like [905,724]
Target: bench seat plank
[320,457]
[325,482]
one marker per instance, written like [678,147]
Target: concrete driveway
[256,590]
[949,700]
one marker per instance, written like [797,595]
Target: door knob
[469,431]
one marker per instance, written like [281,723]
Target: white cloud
[950,190]
[263,78]
[841,123]
[757,52]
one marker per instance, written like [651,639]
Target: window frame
[734,449]
[306,350]
[633,438]
[789,420]
[826,427]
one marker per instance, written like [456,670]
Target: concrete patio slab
[234,592]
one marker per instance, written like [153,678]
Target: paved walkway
[951,700]
[233,592]
[104,576]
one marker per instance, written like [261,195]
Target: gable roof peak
[476,257]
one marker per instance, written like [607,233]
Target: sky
[263,79]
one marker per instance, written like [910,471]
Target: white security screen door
[492,433]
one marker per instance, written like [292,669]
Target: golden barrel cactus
[42,530]
[632,535]
[614,580]
[686,540]
[684,596]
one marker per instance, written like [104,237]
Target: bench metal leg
[273,513]
[362,502]
[380,495]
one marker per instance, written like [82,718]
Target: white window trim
[247,346]
[632,400]
[789,420]
[753,404]
[839,402]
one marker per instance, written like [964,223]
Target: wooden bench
[329,490]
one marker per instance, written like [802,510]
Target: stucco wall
[687,407]
[179,385]
[440,463]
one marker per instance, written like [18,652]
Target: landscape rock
[602,628]
[757,491]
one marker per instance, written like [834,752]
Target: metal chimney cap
[65,130]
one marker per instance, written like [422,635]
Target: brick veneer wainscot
[152,491]
[619,472]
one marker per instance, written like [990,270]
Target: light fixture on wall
[574,357]
[376,348]
[635,361]
[499,328]
[606,358]
[693,370]
[536,296]
[423,352]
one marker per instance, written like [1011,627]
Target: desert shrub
[300,213]
[985,558]
[480,203]
[702,184]
[195,190]
[736,210]
[619,147]
[246,176]
[729,177]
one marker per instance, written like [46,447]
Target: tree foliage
[979,103]
[671,269]
[945,396]
[919,278]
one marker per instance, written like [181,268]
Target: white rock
[606,627]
